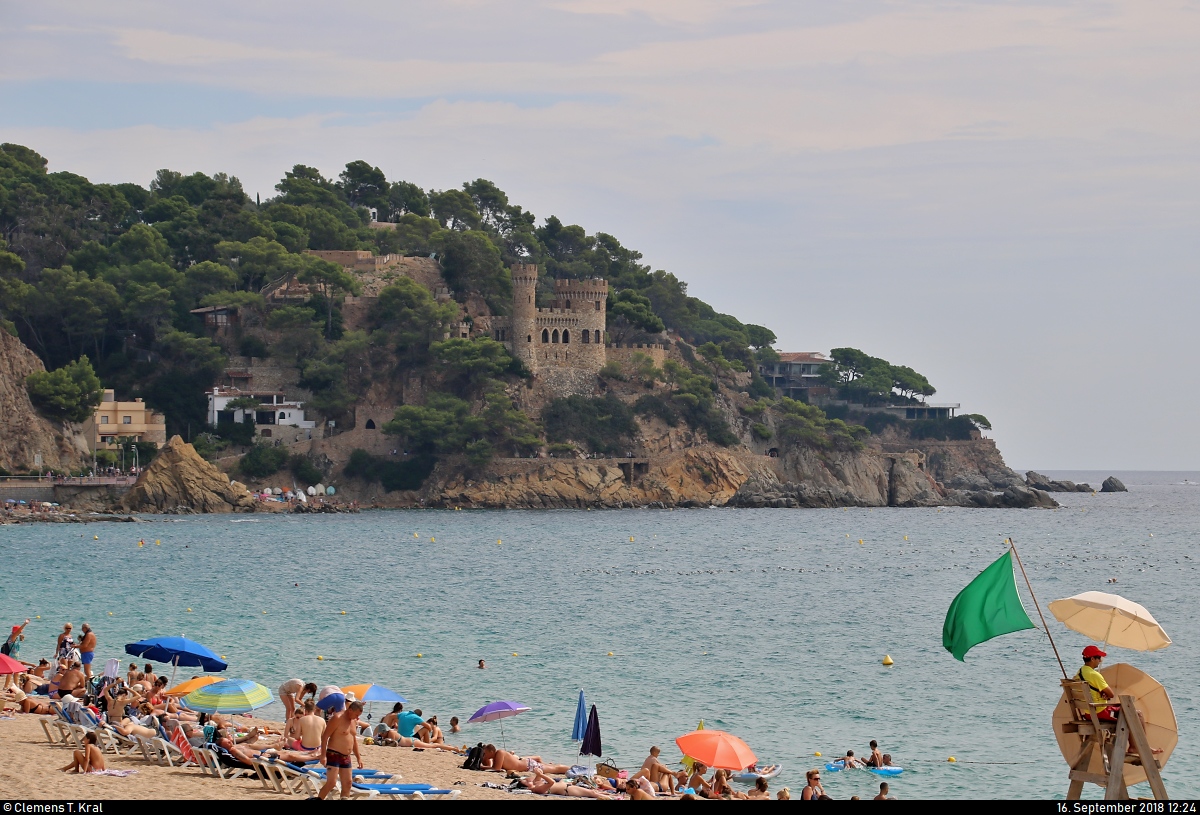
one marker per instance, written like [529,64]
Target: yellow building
[115,420]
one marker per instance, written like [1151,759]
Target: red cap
[16,628]
[1093,651]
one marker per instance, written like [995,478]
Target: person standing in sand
[308,730]
[87,649]
[291,693]
[12,648]
[337,744]
[65,636]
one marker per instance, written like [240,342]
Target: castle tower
[522,342]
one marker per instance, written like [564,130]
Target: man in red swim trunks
[337,744]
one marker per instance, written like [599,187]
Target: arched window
[566,336]
[545,335]
[370,424]
[554,336]
[282,415]
[587,335]
[598,336]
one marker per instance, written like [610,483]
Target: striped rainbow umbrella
[229,696]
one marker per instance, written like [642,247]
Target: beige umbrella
[1112,620]
[1150,698]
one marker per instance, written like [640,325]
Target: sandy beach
[31,770]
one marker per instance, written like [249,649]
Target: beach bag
[6,648]
[474,757]
[607,769]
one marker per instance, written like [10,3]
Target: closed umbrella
[177,651]
[591,736]
[716,748]
[1112,620]
[497,712]
[229,696]
[581,719]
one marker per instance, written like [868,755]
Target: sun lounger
[410,791]
[294,780]
[373,775]
[56,731]
[223,766]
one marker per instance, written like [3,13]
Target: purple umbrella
[591,736]
[497,711]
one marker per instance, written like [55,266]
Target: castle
[562,345]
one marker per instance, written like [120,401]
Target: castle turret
[524,313]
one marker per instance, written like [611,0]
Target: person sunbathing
[697,781]
[502,761]
[20,699]
[542,784]
[87,760]
[70,682]
[721,787]
[242,756]
[658,773]
[760,790]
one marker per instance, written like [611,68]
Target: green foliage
[602,425]
[644,369]
[408,317]
[303,468]
[630,314]
[760,431]
[408,473]
[471,263]
[693,398]
[263,460]
[68,394]
[245,403]
[612,370]
[330,280]
[653,405]
[760,338]
[799,423]
[756,408]
[364,186]
[958,428]
[759,389]
[446,424]
[405,197]
[870,380]
[252,346]
[454,210]
[239,433]
[469,364]
[979,420]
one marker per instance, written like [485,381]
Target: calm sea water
[767,623]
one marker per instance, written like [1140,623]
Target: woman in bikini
[87,760]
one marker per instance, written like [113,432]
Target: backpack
[6,647]
[474,757]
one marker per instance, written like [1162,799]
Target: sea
[770,624]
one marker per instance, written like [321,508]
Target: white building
[273,411]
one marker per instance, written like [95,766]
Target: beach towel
[112,669]
[114,773]
[185,747]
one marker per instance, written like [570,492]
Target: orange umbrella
[184,688]
[716,748]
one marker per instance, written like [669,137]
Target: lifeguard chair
[1097,751]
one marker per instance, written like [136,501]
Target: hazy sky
[1004,196]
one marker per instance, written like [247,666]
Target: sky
[1001,195]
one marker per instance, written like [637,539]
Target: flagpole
[1038,606]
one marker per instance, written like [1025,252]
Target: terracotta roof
[803,356]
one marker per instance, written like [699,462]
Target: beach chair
[223,770]
[147,748]
[265,770]
[169,754]
[56,731]
[409,791]
[294,780]
[365,775]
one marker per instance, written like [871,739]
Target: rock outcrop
[811,478]
[1016,497]
[179,480]
[25,435]
[1112,484]
[1038,481]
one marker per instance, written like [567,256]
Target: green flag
[988,607]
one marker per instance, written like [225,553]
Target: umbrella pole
[174,668]
[1038,606]
[1111,616]
[502,743]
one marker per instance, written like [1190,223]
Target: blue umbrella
[177,651]
[591,738]
[580,725]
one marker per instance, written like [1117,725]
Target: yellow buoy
[39,616]
[264,612]
[847,534]
[887,660]
[141,544]
[320,658]
[110,614]
[343,611]
[223,656]
[498,542]
[860,541]
[906,537]
[157,542]
[631,538]
[95,537]
[952,759]
[432,540]
[610,653]
[817,754]
[514,653]
[189,611]
[420,655]
[415,535]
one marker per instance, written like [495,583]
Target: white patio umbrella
[1111,620]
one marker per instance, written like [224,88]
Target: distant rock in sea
[1111,484]
[1038,481]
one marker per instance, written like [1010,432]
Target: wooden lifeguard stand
[1103,755]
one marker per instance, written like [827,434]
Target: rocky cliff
[179,479]
[25,435]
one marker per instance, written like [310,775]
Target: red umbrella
[716,748]
[8,665]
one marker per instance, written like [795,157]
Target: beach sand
[30,770]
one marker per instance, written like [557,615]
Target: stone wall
[266,375]
[624,353]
